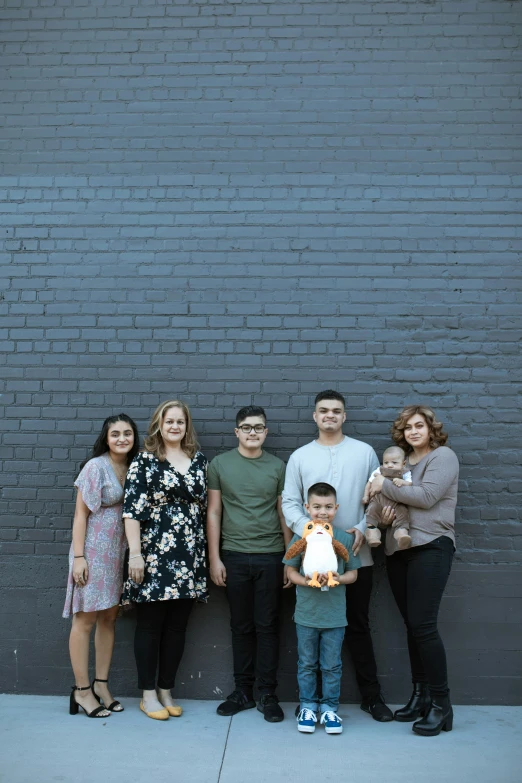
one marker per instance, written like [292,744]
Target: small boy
[320,619]
[393,467]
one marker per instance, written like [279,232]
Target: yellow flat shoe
[157,715]
[175,711]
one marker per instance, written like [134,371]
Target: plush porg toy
[320,552]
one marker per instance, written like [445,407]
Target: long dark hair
[102,447]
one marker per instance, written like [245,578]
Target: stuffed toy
[320,552]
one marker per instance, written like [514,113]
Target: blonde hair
[437,435]
[154,441]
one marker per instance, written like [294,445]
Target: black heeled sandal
[74,706]
[112,706]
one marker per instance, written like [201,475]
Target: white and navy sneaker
[332,722]
[306,721]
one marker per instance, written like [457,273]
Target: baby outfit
[379,501]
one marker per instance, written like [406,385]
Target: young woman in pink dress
[96,561]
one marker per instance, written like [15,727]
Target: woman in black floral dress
[164,512]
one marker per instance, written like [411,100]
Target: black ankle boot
[418,705]
[439,718]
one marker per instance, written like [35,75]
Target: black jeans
[358,638]
[159,641]
[254,584]
[417,578]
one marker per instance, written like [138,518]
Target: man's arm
[218,572]
[360,528]
[287,535]
[293,498]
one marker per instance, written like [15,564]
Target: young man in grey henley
[345,463]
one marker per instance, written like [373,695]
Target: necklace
[120,476]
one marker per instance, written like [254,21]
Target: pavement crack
[224,752]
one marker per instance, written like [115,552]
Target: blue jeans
[319,650]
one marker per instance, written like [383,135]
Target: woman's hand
[136,568]
[376,485]
[80,572]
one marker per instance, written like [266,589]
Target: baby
[393,467]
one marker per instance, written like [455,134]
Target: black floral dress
[170,507]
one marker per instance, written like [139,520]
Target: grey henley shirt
[346,467]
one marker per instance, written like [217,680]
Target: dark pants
[417,578]
[254,584]
[358,638]
[159,641]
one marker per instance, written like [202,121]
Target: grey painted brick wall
[237,202]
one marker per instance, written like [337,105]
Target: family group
[145,518]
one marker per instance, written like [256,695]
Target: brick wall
[237,202]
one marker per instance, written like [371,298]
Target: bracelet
[134,557]
[76,556]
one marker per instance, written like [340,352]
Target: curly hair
[437,435]
[154,441]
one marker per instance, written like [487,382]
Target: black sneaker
[269,706]
[236,702]
[377,709]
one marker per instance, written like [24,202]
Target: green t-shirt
[249,492]
[317,608]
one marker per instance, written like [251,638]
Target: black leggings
[159,641]
[417,578]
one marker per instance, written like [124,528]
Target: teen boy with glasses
[345,463]
[247,539]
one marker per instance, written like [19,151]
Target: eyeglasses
[247,428]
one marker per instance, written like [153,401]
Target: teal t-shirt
[317,608]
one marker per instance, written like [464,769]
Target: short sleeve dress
[105,542]
[170,507]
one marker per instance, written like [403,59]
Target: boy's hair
[321,490]
[395,449]
[330,394]
[249,410]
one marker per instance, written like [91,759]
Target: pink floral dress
[105,542]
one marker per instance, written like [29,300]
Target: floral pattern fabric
[170,507]
[105,542]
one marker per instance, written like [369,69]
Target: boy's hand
[359,539]
[286,580]
[337,578]
[321,578]
[218,573]
[400,482]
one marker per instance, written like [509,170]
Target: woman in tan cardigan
[418,575]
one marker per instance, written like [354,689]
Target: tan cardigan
[431,500]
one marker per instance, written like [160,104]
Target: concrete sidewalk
[41,742]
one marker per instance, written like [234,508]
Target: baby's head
[322,502]
[394,458]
